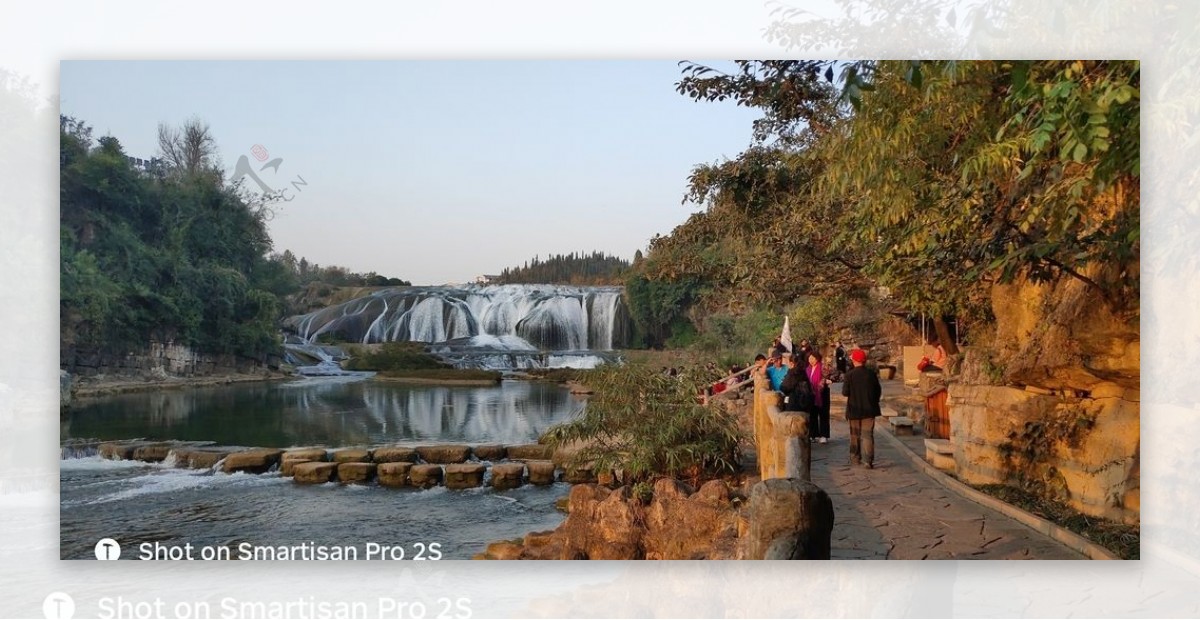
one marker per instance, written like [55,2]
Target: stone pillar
[789,520]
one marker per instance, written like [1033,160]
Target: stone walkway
[897,512]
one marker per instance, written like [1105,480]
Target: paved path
[897,512]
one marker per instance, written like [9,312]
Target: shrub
[646,424]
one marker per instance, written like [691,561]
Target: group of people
[803,380]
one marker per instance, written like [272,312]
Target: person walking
[862,391]
[839,358]
[818,415]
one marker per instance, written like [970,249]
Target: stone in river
[541,472]
[491,452]
[152,452]
[532,451]
[395,454]
[444,453]
[356,473]
[304,454]
[425,476]
[464,475]
[394,474]
[117,450]
[254,461]
[351,455]
[313,472]
[508,475]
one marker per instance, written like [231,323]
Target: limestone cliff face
[1066,422]
[1063,336]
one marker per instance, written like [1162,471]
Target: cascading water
[510,326]
[548,318]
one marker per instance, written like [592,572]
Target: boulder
[351,455]
[713,493]
[530,452]
[393,474]
[255,461]
[602,525]
[508,475]
[425,476]
[503,550]
[395,454]
[464,475]
[546,545]
[541,472]
[314,472]
[491,452]
[444,453]
[355,472]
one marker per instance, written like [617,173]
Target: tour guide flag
[785,337]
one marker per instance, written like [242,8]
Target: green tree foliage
[933,179]
[645,424]
[581,269]
[658,307]
[158,257]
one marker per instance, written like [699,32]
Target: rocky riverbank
[102,385]
[675,522]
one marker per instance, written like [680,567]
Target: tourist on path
[840,358]
[862,391]
[818,416]
[776,371]
[798,390]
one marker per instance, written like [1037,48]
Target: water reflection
[332,412]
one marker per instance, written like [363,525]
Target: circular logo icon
[108,549]
[58,606]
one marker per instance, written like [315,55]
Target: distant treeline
[306,273]
[596,268]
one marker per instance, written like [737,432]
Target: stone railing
[790,518]
[780,437]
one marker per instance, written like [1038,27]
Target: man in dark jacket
[862,391]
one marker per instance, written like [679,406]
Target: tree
[190,150]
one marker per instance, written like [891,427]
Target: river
[138,503]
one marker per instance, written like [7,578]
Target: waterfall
[520,317]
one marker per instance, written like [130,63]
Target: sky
[434,171]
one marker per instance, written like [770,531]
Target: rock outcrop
[604,524]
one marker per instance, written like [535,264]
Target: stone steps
[456,466]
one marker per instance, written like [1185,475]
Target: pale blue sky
[435,171]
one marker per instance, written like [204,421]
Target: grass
[559,375]
[1123,540]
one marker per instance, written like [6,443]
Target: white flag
[785,338]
